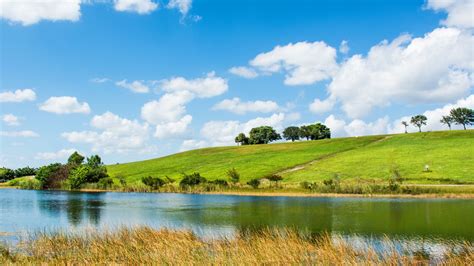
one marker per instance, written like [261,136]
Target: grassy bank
[145,245]
[448,155]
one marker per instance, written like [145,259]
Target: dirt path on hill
[304,165]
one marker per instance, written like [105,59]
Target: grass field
[449,154]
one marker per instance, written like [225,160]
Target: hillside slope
[449,154]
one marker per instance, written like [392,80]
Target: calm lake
[425,220]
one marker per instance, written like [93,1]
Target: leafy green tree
[463,116]
[305,132]
[447,120]
[242,139]
[233,175]
[52,176]
[6,174]
[418,121]
[405,124]
[25,171]
[78,176]
[263,135]
[291,133]
[94,161]
[75,159]
[319,131]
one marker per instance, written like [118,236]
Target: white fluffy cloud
[136,86]
[434,116]
[206,87]
[183,6]
[11,120]
[460,12]
[65,105]
[220,133]
[245,72]
[18,96]
[344,47]
[191,144]
[114,134]
[28,12]
[435,68]
[170,107]
[318,106]
[22,133]
[357,127]
[61,154]
[236,106]
[303,62]
[137,6]
[171,129]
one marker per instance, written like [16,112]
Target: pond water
[430,221]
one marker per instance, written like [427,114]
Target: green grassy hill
[449,154]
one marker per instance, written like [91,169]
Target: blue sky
[137,79]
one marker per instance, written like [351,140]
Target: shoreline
[289,194]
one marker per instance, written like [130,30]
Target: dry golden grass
[144,245]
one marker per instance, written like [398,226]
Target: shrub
[192,180]
[51,176]
[306,185]
[169,180]
[30,184]
[395,180]
[121,180]
[333,184]
[233,175]
[105,183]
[219,182]
[274,178]
[255,183]
[153,182]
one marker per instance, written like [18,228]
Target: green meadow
[449,156]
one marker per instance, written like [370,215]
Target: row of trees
[266,134]
[461,116]
[9,174]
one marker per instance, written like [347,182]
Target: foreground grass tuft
[144,245]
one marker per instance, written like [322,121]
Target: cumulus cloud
[318,106]
[206,87]
[113,135]
[357,127]
[65,105]
[437,67]
[183,6]
[22,133]
[221,133]
[136,6]
[236,106]
[100,80]
[245,72]
[170,107]
[304,62]
[191,144]
[136,86]
[460,12]
[57,155]
[434,116]
[27,12]
[172,129]
[11,120]
[18,96]
[344,47]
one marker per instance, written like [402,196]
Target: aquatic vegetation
[145,245]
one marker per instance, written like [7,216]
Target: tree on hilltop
[418,121]
[463,116]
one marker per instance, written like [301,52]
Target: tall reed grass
[144,245]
